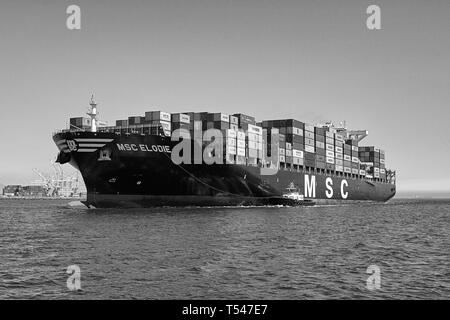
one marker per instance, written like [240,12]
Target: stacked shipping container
[80,122]
[352,147]
[291,141]
[310,146]
[373,160]
[299,145]
[160,119]
[339,152]
[330,150]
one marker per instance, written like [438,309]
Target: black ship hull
[137,171]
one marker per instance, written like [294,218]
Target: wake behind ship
[214,159]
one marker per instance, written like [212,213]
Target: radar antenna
[93,114]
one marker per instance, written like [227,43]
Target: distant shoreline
[42,198]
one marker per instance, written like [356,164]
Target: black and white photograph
[223,156]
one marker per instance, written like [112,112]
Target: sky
[311,60]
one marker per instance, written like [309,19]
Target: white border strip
[93,140]
[92,145]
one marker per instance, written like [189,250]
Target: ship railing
[64,131]
[74,129]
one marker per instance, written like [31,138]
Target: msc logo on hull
[310,187]
[72,145]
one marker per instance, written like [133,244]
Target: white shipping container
[382,161]
[329,160]
[282,151]
[309,135]
[259,146]
[224,117]
[339,137]
[166,125]
[231,133]
[309,149]
[339,149]
[382,171]
[330,147]
[347,158]
[297,131]
[288,145]
[355,160]
[330,153]
[347,170]
[231,149]
[362,172]
[339,168]
[297,161]
[165,116]
[254,129]
[297,153]
[234,120]
[282,159]
[339,156]
[288,153]
[309,142]
[252,137]
[309,127]
[376,175]
[184,118]
[231,142]
[241,135]
[253,145]
[355,171]
[241,143]
[240,152]
[355,148]
[252,153]
[376,170]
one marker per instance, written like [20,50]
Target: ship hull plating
[137,171]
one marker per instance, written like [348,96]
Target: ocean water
[225,253]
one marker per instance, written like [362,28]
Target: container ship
[216,159]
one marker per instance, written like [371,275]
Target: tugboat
[293,197]
[292,193]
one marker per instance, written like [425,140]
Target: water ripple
[225,253]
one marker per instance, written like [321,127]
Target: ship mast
[93,114]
